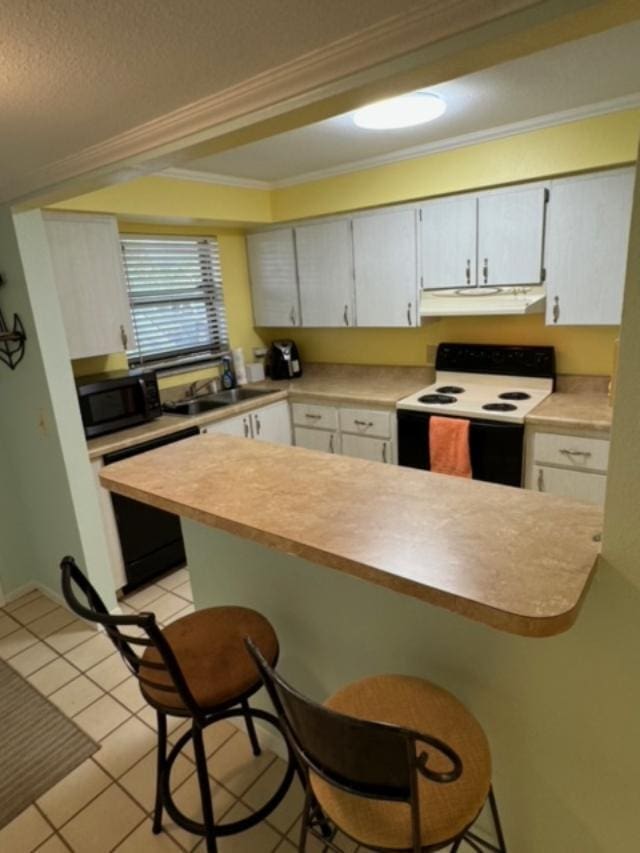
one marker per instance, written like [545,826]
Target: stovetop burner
[515,395]
[499,407]
[438,398]
[450,389]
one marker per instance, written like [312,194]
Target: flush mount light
[403,111]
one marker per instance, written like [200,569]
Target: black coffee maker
[283,361]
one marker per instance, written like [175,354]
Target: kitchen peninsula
[365,568]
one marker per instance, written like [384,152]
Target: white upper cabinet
[511,237]
[325,273]
[587,245]
[274,285]
[89,275]
[448,236]
[386,274]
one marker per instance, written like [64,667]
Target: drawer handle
[540,480]
[363,423]
[258,424]
[345,315]
[331,450]
[567,452]
[245,425]
[485,270]
[384,451]
[313,417]
[556,309]
[467,271]
[409,317]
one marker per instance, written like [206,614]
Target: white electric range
[493,386]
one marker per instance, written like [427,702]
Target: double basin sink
[205,403]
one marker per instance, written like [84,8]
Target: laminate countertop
[513,559]
[574,411]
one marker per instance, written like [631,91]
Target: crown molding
[212,178]
[318,74]
[621,104]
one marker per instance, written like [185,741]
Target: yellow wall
[237,297]
[595,143]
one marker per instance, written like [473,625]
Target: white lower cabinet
[317,439]
[269,423]
[568,465]
[114,551]
[375,449]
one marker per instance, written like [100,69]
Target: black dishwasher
[150,538]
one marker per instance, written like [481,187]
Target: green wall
[49,504]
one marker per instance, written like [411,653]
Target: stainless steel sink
[198,405]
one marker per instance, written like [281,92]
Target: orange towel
[449,446]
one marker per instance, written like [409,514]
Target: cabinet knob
[292,315]
[467,272]
[346,315]
[540,480]
[485,270]
[556,309]
[409,319]
[123,336]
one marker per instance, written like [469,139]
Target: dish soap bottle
[228,379]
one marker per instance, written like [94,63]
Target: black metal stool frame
[239,706]
[381,737]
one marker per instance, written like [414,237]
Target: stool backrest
[362,757]
[164,672]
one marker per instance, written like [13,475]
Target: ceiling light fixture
[403,111]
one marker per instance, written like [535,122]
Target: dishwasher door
[150,538]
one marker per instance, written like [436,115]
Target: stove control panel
[497,359]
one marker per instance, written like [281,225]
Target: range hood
[482,301]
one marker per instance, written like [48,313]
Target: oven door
[112,405]
[496,447]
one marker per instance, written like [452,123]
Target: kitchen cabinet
[587,244]
[386,269]
[363,447]
[511,237]
[325,273]
[114,550]
[91,284]
[274,283]
[268,423]
[317,439]
[448,235]
[490,239]
[568,465]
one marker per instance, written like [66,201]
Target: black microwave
[118,400]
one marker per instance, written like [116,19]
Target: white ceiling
[565,78]
[74,73]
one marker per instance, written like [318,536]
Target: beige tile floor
[105,804]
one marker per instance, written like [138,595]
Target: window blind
[176,298]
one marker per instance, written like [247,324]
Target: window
[176,299]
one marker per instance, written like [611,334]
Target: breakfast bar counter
[512,559]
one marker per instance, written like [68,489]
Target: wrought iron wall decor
[12,340]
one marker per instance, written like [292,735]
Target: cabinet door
[274,285]
[448,242]
[577,485]
[317,439]
[510,237]
[239,426]
[272,423]
[362,447]
[587,244]
[386,274]
[325,272]
[87,265]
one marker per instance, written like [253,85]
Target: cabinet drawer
[571,451]
[577,485]
[319,417]
[365,422]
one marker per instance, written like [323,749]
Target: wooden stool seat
[445,810]
[209,648]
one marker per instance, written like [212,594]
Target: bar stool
[393,762]
[197,668]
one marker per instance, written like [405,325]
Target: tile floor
[105,804]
